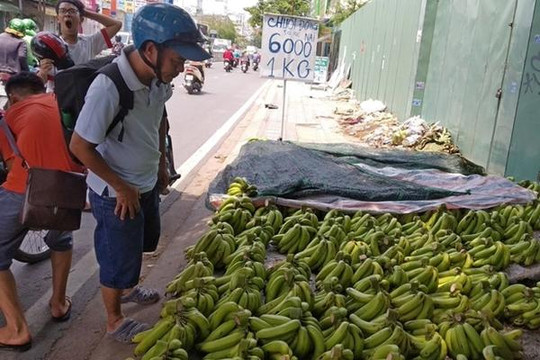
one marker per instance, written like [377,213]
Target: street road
[193,120]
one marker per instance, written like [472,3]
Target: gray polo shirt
[136,158]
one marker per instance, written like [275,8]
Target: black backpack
[71,85]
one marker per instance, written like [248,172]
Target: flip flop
[129,328]
[141,296]
[12,347]
[66,315]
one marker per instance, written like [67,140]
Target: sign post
[288,50]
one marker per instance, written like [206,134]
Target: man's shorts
[119,244]
[13,232]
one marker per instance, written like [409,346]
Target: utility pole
[199,7]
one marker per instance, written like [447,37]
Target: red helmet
[46,45]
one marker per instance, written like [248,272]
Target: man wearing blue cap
[127,165]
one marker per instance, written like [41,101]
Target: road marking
[200,154]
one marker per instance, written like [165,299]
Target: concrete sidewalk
[184,215]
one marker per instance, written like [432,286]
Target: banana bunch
[429,347]
[342,332]
[262,233]
[448,305]
[238,218]
[473,222]
[280,282]
[303,334]
[360,224]
[301,288]
[389,225]
[389,335]
[525,252]
[257,267]
[187,325]
[491,300]
[449,239]
[366,268]
[427,276]
[282,303]
[329,297]
[240,187]
[244,288]
[368,307]
[218,243]
[304,215]
[232,203]
[295,239]
[234,345]
[452,283]
[339,267]
[298,266]
[198,267]
[332,228]
[202,290]
[320,251]
[388,319]
[528,184]
[522,305]
[254,251]
[497,255]
[274,217]
[336,217]
[170,350]
[278,350]
[338,352]
[532,215]
[356,249]
[503,344]
[410,306]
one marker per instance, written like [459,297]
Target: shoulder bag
[54,199]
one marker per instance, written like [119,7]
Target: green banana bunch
[255,251]
[333,229]
[295,239]
[356,249]
[240,186]
[162,349]
[390,335]
[298,266]
[274,217]
[262,232]
[202,290]
[339,267]
[344,333]
[325,300]
[234,202]
[198,267]
[217,243]
[506,344]
[244,288]
[320,251]
[338,352]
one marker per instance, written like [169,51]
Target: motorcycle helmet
[170,26]
[16,27]
[29,25]
[46,45]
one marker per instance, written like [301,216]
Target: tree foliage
[222,24]
[342,12]
[284,7]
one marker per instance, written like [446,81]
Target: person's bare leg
[16,331]
[61,265]
[113,307]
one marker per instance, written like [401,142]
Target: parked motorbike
[193,77]
[244,65]
[227,65]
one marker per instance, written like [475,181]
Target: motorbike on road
[193,77]
[208,63]
[227,65]
[244,65]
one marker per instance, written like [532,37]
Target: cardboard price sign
[288,47]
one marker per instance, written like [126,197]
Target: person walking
[34,119]
[13,53]
[124,189]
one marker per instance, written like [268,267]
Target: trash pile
[372,123]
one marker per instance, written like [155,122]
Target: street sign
[321,69]
[288,47]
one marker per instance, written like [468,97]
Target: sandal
[127,329]
[141,296]
[66,315]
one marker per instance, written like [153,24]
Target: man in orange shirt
[34,120]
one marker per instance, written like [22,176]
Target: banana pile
[240,187]
[352,286]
